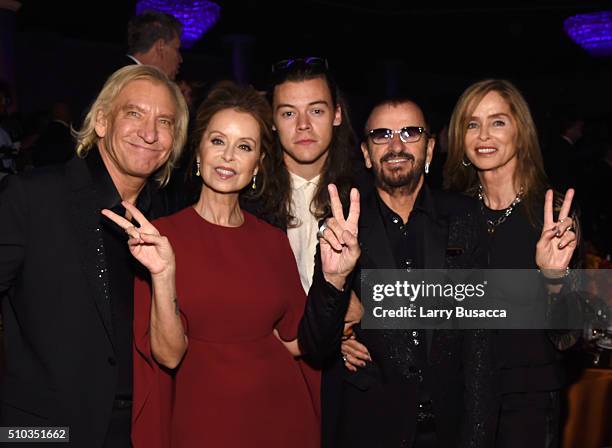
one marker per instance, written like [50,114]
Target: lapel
[376,251]
[435,233]
[85,219]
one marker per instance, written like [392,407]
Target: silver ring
[344,358]
[321,230]
[570,229]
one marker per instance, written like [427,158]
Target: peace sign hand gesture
[558,240]
[338,239]
[146,244]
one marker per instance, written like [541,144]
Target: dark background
[430,50]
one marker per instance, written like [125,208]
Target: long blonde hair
[529,171]
[87,137]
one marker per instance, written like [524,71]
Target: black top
[121,268]
[407,245]
[527,359]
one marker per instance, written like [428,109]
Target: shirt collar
[421,204]
[134,59]
[567,139]
[298,182]
[107,192]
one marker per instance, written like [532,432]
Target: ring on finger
[321,230]
[344,358]
[570,229]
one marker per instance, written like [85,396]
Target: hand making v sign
[338,239]
[146,244]
[558,239]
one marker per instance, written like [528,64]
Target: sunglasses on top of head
[310,61]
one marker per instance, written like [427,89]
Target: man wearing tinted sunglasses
[408,388]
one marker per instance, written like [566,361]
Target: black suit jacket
[378,403]
[60,354]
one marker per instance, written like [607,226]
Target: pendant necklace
[492,224]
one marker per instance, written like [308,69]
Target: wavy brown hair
[529,173]
[338,166]
[229,95]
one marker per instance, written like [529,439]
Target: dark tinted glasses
[408,134]
[312,61]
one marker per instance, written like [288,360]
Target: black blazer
[60,355]
[378,403]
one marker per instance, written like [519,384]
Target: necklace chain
[492,224]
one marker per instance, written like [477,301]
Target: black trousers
[530,420]
[119,430]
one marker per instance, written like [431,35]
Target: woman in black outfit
[494,155]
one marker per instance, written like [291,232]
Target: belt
[119,403]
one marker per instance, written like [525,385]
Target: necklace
[493,224]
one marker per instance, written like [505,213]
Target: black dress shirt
[406,241]
[405,238]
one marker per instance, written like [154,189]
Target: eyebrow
[312,103]
[214,131]
[167,117]
[251,140]
[131,106]
[498,115]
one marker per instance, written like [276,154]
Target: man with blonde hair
[66,271]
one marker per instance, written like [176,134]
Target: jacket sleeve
[321,326]
[13,228]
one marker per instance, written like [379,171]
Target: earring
[426,167]
[198,168]
[254,184]
[465,162]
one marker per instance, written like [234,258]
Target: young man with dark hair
[314,141]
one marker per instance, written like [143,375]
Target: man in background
[154,38]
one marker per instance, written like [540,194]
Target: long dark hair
[338,166]
[229,95]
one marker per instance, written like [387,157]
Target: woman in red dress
[216,325]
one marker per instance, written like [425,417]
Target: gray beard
[405,184]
